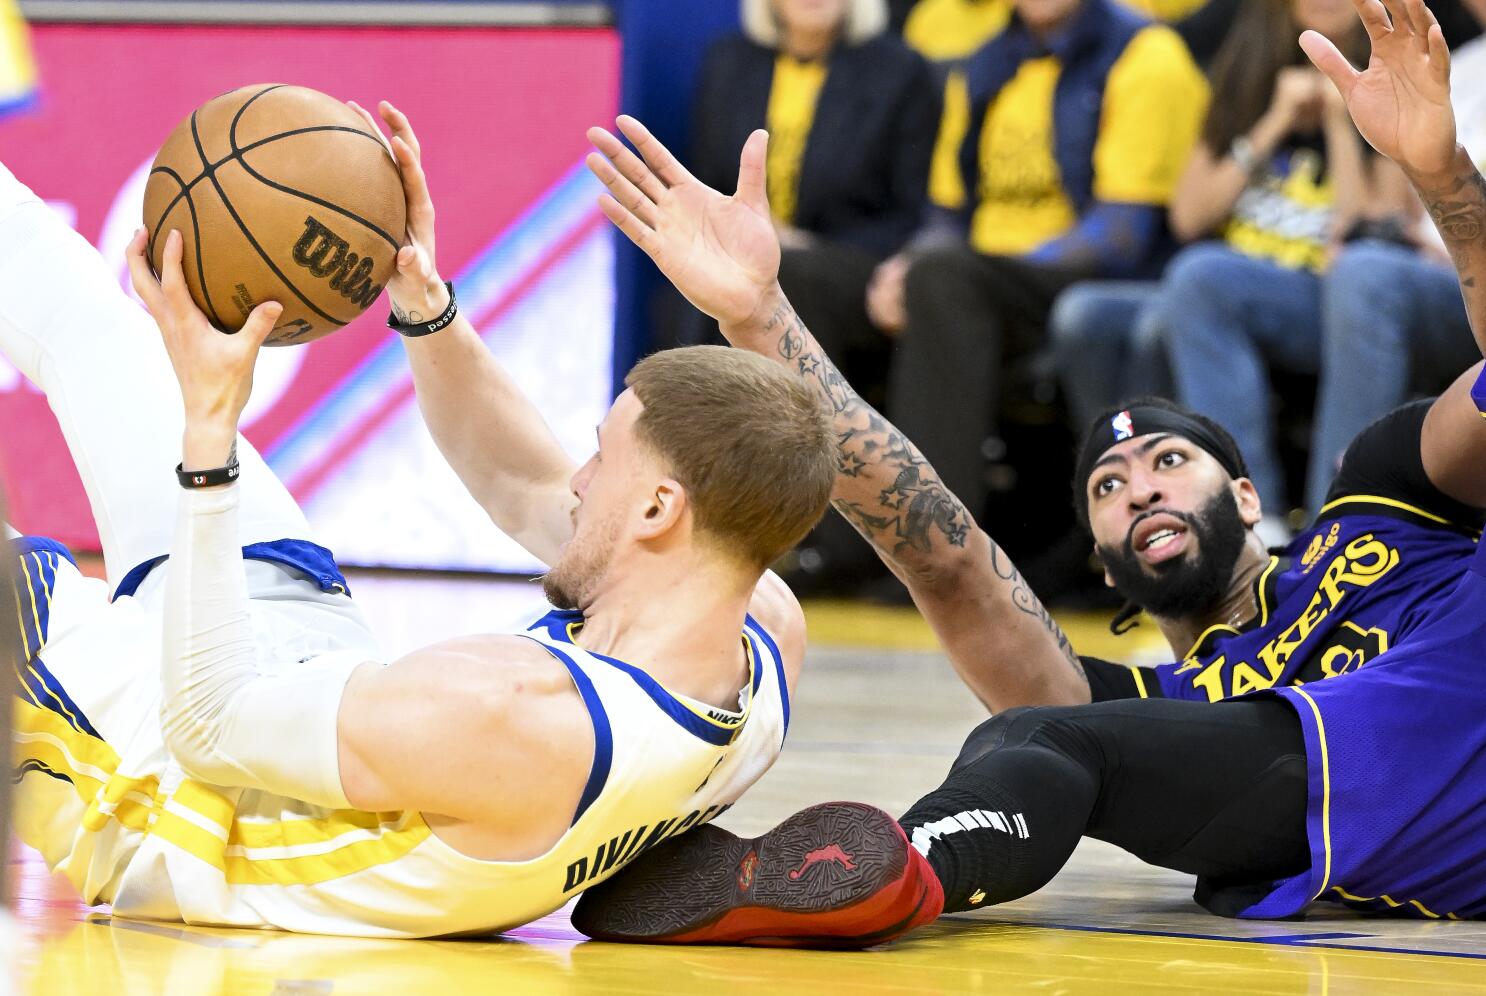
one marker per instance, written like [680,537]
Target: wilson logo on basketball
[831,852]
[327,255]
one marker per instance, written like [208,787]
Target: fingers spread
[632,227]
[1439,54]
[753,188]
[1374,19]
[1330,61]
[1419,19]
[656,155]
[627,163]
[623,191]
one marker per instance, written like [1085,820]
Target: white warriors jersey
[101,799]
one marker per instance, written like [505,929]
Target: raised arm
[1401,105]
[341,731]
[721,252]
[488,430]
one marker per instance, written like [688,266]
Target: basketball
[280,193]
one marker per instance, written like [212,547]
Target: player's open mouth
[1159,539]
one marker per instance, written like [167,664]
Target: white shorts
[96,782]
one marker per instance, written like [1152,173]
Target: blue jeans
[1108,346]
[1228,317]
[1393,323]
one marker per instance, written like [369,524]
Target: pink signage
[501,115]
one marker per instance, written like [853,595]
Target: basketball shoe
[838,875]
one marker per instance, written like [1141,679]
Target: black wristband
[415,329]
[194,479]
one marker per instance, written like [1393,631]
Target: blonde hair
[748,440]
[865,19]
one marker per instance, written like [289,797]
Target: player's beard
[1194,582]
[581,567]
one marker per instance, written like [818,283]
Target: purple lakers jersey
[1372,626]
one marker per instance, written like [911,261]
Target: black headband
[1144,420]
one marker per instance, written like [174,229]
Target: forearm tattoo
[1458,210]
[886,488]
[1027,601]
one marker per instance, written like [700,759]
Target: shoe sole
[830,876]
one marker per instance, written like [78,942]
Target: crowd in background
[1003,217]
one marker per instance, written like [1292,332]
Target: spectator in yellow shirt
[1061,142]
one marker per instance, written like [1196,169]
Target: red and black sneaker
[838,875]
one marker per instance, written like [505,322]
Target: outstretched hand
[215,369]
[1401,101]
[721,252]
[416,292]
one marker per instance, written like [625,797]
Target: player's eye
[1171,458]
[1106,486]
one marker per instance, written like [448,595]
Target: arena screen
[501,115]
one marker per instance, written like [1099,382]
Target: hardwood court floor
[878,717]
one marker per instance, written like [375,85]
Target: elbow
[941,573]
[189,746]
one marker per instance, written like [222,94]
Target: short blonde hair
[748,439]
[865,19]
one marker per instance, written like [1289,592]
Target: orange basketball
[281,193]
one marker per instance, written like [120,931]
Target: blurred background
[1001,217]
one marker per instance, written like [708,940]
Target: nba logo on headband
[1123,425]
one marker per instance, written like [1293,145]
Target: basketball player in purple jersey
[1322,732]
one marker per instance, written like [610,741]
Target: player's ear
[1247,499]
[1108,581]
[664,508]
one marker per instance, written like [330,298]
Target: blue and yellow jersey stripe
[54,738]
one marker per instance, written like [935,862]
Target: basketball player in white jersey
[220,742]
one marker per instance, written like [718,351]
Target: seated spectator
[948,31]
[851,114]
[1279,174]
[1393,319]
[1061,142]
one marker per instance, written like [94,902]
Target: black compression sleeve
[1215,790]
[1116,681]
[1385,461]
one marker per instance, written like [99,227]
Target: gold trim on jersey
[1325,790]
[1140,683]
[1261,593]
[1393,903]
[1394,503]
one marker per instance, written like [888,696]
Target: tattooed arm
[722,253]
[1401,104]
[997,633]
